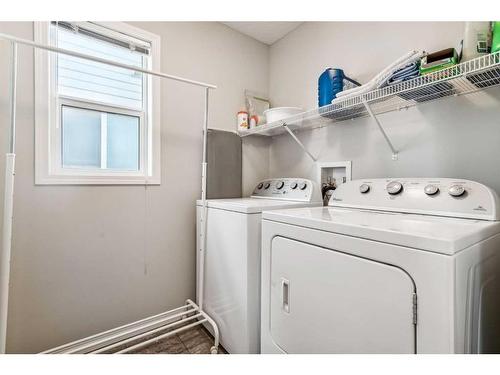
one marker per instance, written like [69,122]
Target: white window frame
[48,135]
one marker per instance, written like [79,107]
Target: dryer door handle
[285,293]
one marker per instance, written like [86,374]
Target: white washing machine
[406,266]
[232,262]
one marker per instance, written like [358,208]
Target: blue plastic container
[330,83]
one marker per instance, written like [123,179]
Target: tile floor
[196,340]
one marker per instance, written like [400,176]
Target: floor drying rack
[136,335]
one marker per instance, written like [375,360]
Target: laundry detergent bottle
[330,83]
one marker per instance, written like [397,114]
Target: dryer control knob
[394,187]
[266,185]
[456,190]
[279,185]
[294,185]
[364,188]
[431,190]
[303,186]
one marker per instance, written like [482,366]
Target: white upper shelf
[463,78]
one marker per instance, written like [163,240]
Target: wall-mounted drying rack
[131,336]
[464,78]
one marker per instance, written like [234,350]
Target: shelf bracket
[372,115]
[298,141]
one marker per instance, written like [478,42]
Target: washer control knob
[259,186]
[456,190]
[364,188]
[394,187]
[279,185]
[431,190]
[266,185]
[294,185]
[303,185]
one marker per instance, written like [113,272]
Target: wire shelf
[464,78]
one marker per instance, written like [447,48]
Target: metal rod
[129,329]
[105,341]
[372,115]
[216,330]
[298,142]
[203,229]
[158,338]
[204,213]
[10,161]
[103,61]
[8,199]
[13,99]
[133,338]
[120,337]
[214,349]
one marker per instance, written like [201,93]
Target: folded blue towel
[403,74]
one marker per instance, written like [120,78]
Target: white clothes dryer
[390,266]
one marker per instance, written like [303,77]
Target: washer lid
[253,205]
[432,233]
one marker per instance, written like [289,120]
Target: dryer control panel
[295,189]
[428,196]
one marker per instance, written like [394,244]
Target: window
[97,139]
[96,123]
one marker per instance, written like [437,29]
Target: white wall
[88,258]
[455,137]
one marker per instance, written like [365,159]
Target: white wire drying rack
[464,78]
[139,334]
[136,335]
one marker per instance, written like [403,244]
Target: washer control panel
[441,196]
[297,189]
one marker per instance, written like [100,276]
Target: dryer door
[324,301]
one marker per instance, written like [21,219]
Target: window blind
[100,33]
[93,81]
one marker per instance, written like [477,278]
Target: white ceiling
[265,32]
